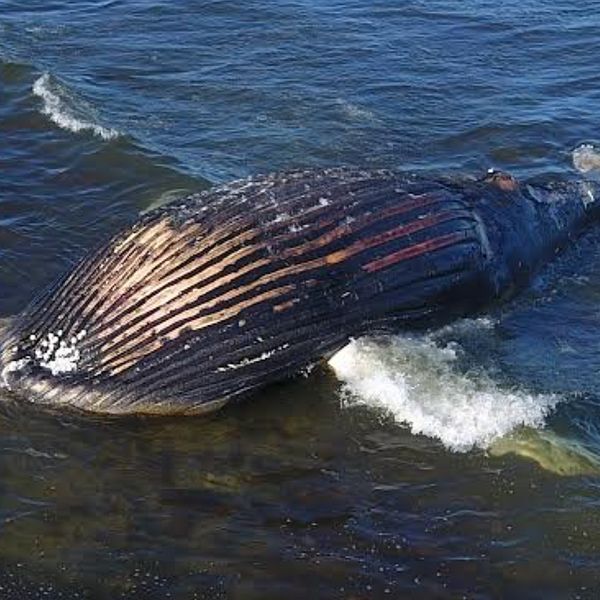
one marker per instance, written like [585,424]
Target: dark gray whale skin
[215,295]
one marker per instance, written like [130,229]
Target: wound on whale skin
[215,295]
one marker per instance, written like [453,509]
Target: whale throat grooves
[222,292]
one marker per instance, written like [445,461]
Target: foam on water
[418,381]
[586,158]
[60,107]
[354,111]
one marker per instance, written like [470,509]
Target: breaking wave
[419,382]
[63,110]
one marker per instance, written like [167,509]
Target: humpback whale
[213,296]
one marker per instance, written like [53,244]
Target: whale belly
[220,293]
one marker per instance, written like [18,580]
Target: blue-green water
[314,488]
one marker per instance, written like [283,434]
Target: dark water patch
[64,192]
[259,83]
[257,500]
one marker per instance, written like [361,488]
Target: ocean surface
[456,463]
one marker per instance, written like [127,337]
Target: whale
[209,298]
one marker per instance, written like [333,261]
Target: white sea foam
[586,158]
[60,107]
[354,111]
[418,381]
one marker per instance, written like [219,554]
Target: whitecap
[354,111]
[60,107]
[418,381]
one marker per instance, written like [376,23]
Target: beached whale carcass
[215,295]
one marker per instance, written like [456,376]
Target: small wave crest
[60,107]
[418,381]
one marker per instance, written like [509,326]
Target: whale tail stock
[217,294]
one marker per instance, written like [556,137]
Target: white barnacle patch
[280,218]
[587,194]
[59,356]
[589,198]
[308,369]
[296,228]
[12,367]
[249,361]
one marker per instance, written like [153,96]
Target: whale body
[215,295]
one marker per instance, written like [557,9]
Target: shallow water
[400,482]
